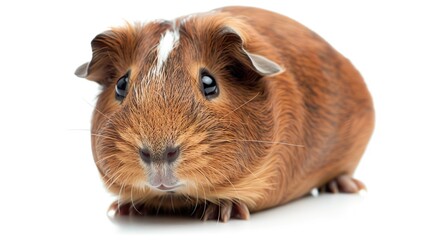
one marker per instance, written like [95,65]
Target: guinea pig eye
[210,88]
[122,87]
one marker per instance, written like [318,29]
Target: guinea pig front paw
[224,211]
[344,184]
[125,209]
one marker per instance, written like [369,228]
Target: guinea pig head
[184,106]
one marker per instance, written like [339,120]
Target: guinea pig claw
[343,184]
[125,209]
[348,184]
[112,211]
[333,186]
[225,211]
[117,209]
[210,212]
[241,211]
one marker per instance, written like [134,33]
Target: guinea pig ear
[82,70]
[262,65]
[99,69]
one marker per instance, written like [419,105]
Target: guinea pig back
[224,113]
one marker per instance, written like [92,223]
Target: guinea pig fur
[224,113]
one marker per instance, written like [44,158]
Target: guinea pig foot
[125,209]
[225,211]
[343,184]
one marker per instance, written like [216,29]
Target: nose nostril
[169,155]
[172,153]
[145,155]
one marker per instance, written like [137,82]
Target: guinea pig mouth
[167,188]
[162,178]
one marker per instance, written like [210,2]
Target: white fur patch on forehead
[168,41]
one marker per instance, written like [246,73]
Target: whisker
[203,174]
[105,158]
[113,180]
[260,141]
[242,105]
[132,201]
[218,210]
[96,109]
[159,205]
[271,142]
[172,204]
[204,209]
[196,191]
[245,167]
[226,178]
[119,194]
[103,136]
[204,192]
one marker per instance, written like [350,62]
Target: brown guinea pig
[224,113]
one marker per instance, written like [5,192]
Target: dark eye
[210,88]
[122,87]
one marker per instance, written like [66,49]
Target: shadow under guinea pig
[305,210]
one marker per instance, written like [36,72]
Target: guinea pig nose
[171,154]
[145,155]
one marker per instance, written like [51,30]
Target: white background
[50,187]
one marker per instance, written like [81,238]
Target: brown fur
[245,145]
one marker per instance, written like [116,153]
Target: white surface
[49,184]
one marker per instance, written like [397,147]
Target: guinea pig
[221,114]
